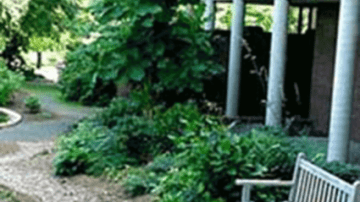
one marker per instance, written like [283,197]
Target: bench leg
[245,196]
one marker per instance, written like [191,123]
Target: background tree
[26,22]
[140,41]
[262,16]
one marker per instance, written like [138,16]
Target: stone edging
[15,118]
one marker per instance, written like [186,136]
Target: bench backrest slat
[300,184]
[316,190]
[333,180]
[313,184]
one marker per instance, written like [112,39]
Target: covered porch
[333,105]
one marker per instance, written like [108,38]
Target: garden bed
[3,117]
[9,118]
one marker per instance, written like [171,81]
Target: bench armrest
[255,182]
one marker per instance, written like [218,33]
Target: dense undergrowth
[179,154]
[159,41]
[9,83]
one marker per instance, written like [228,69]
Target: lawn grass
[40,89]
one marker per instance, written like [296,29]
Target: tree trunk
[38,64]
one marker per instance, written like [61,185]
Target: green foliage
[32,24]
[348,172]
[47,18]
[215,159]
[88,149]
[138,41]
[209,162]
[3,117]
[139,181]
[262,16]
[9,83]
[33,104]
[8,196]
[177,154]
[140,133]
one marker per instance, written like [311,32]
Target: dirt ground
[8,148]
[37,160]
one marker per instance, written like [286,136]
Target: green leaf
[137,74]
[148,22]
[160,49]
[201,188]
[232,172]
[200,67]
[225,146]
[142,10]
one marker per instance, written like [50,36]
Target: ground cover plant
[139,133]
[9,83]
[178,154]
[32,103]
[3,117]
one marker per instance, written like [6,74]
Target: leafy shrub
[143,180]
[144,128]
[33,104]
[3,117]
[215,159]
[137,104]
[154,41]
[84,80]
[139,181]
[9,83]
[345,171]
[88,149]
[183,185]
[140,133]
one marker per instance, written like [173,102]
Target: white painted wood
[338,199]
[309,184]
[332,179]
[321,188]
[343,197]
[316,190]
[298,188]
[297,177]
[328,195]
[326,187]
[241,182]
[311,187]
[245,196]
[303,186]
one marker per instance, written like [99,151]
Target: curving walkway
[29,130]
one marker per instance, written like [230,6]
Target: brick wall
[323,66]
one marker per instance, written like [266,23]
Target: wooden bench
[309,184]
